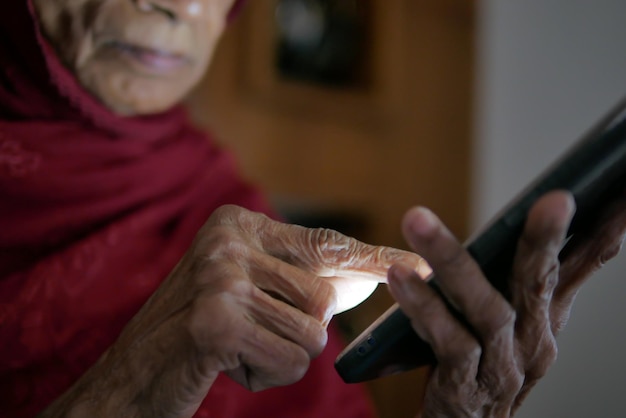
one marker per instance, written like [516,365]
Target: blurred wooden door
[369,152]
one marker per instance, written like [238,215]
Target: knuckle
[512,382]
[325,236]
[303,329]
[505,384]
[545,357]
[462,353]
[540,275]
[550,279]
[473,354]
[222,242]
[293,366]
[330,243]
[228,290]
[550,350]
[238,218]
[298,368]
[318,340]
[226,214]
[503,323]
[212,318]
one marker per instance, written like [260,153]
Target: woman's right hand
[251,298]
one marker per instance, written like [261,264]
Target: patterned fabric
[95,210]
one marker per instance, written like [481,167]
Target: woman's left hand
[486,368]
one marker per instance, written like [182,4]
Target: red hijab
[95,210]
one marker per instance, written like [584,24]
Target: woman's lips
[153,60]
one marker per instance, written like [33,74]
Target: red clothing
[95,210]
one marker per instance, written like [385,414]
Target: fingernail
[423,269]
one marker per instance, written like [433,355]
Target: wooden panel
[371,152]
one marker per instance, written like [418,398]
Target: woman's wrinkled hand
[486,367]
[251,298]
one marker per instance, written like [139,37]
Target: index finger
[328,253]
[458,275]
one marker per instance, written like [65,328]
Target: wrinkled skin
[247,299]
[252,297]
[487,372]
[137,56]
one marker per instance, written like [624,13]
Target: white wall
[547,70]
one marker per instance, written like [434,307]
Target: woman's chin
[139,109]
[129,94]
[132,101]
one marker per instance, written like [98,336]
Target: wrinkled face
[137,56]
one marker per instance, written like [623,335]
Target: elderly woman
[111,308]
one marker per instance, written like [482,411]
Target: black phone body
[593,170]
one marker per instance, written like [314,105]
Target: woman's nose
[175,10]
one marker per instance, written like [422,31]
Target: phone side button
[366,345]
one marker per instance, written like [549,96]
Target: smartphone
[593,169]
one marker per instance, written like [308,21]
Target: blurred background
[347,112]
[546,71]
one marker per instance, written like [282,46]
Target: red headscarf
[95,210]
